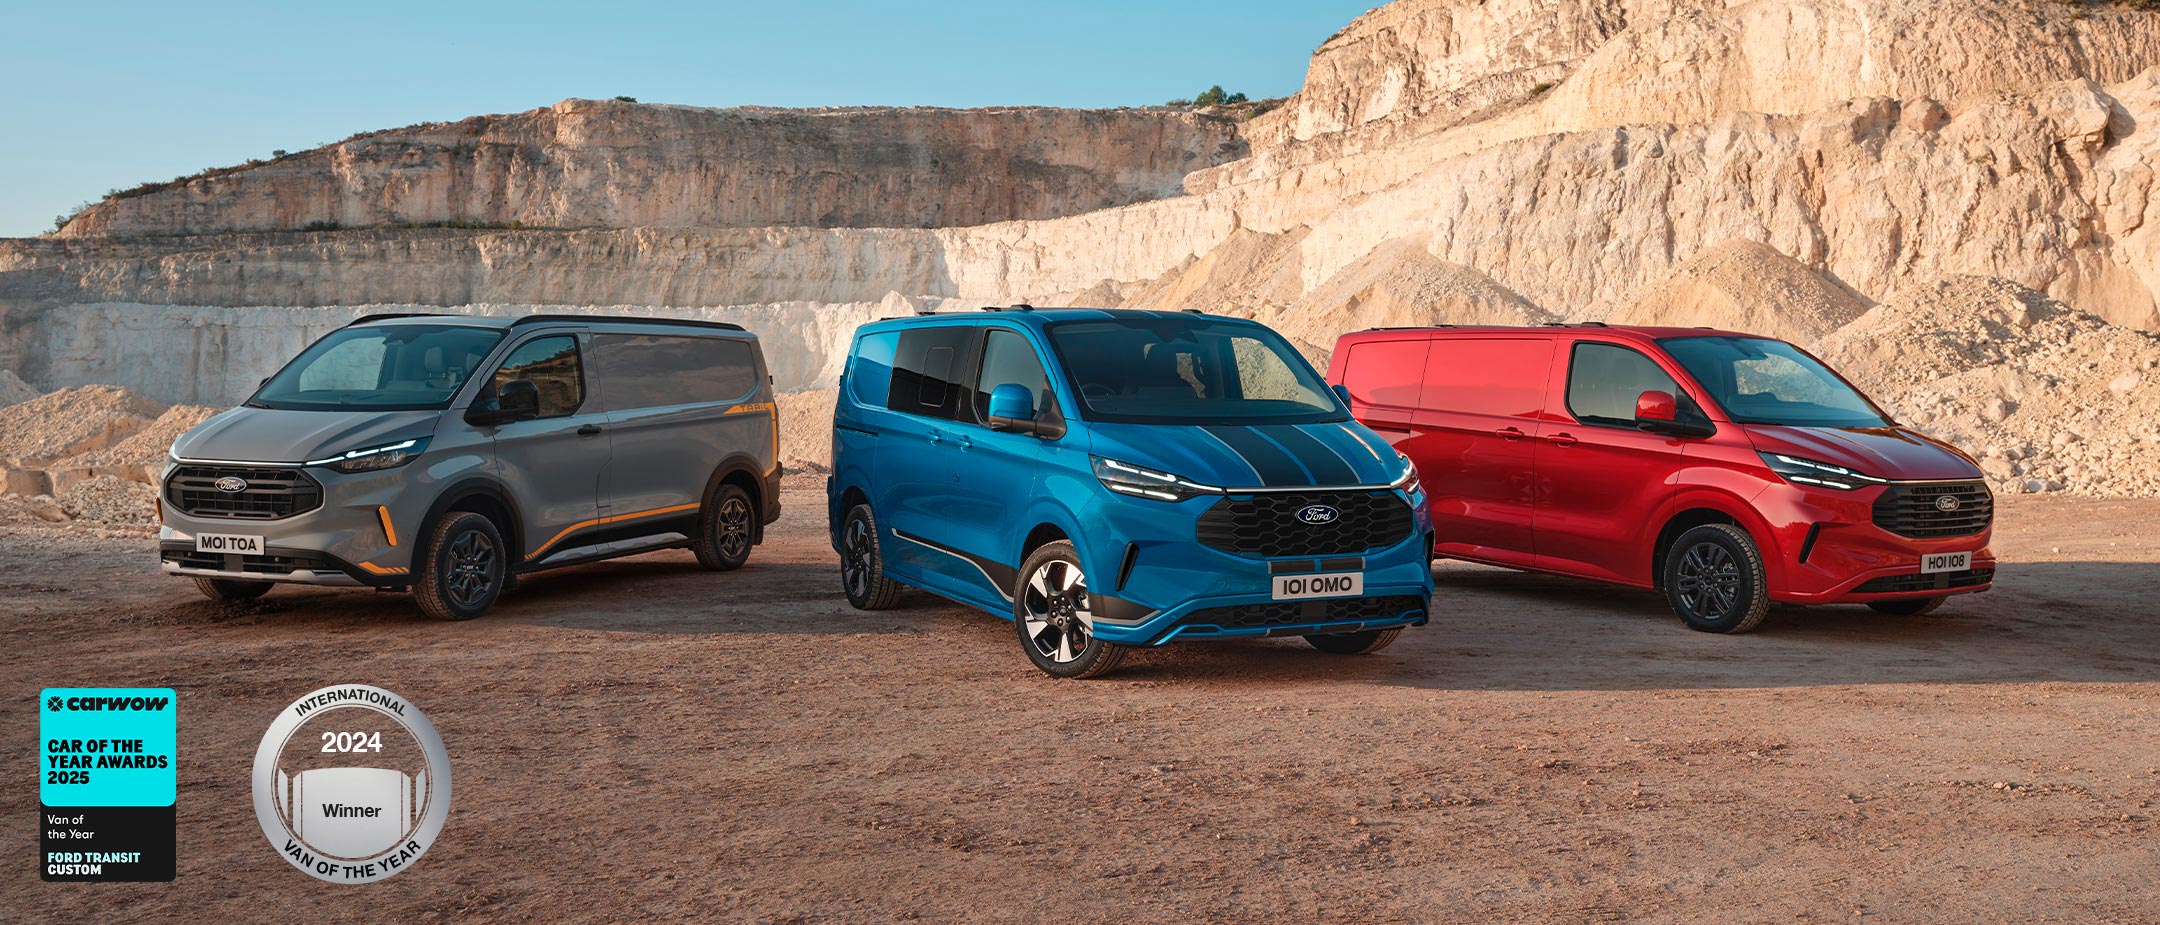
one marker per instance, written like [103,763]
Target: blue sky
[104,95]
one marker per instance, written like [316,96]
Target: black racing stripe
[1275,466]
[1328,467]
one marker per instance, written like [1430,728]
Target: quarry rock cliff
[1778,166]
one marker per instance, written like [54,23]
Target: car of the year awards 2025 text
[1108,479]
[449,454]
[1724,469]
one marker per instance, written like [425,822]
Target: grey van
[450,454]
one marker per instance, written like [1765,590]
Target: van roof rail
[629,319]
[1576,324]
[387,316]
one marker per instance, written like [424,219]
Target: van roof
[1626,331]
[512,321]
[1037,317]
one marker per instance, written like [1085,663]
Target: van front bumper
[281,566]
[1253,616]
[1831,551]
[1154,582]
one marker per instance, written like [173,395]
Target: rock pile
[2048,398]
[146,447]
[72,421]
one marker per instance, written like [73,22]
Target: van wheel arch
[1043,535]
[487,500]
[738,472]
[1682,523]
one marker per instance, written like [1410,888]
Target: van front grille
[266,493]
[1268,524]
[1922,511]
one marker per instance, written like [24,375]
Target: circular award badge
[352,784]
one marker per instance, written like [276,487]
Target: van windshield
[1762,381]
[380,367]
[1187,370]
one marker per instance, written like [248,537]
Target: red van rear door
[1475,442]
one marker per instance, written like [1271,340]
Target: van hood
[1895,453]
[1254,455]
[272,435]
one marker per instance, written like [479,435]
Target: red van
[1724,469]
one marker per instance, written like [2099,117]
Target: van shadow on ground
[1493,629]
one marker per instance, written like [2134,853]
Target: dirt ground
[644,740]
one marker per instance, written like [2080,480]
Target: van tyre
[1714,579]
[231,590]
[1910,606]
[862,563]
[1052,616]
[727,525]
[1359,643]
[465,570]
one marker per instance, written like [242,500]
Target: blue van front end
[1208,482]
[1160,579]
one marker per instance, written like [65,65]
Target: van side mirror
[1656,407]
[1341,392]
[1012,407]
[516,400]
[1658,412]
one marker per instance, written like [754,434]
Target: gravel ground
[641,739]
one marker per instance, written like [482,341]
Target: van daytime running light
[374,458]
[1140,482]
[1801,471]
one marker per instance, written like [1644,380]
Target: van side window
[1605,379]
[1386,372]
[926,372]
[655,370]
[555,369]
[1008,358]
[1501,377]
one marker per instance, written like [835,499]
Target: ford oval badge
[1317,514]
[1946,503]
[230,484]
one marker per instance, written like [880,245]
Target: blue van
[1108,479]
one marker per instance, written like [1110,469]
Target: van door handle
[588,430]
[967,443]
[1562,439]
[1510,433]
[935,436]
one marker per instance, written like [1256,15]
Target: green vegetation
[1539,88]
[626,99]
[1214,96]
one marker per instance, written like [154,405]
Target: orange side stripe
[379,570]
[389,532]
[610,519]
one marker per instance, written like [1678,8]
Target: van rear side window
[652,370]
[1386,372]
[1494,376]
[925,377]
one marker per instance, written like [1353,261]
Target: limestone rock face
[607,164]
[1745,286]
[1777,166]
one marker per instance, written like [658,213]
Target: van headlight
[389,456]
[1802,471]
[1142,482]
[1408,480]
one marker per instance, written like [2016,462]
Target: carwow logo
[1318,514]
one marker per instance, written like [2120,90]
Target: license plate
[1945,562]
[1332,584]
[229,543]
